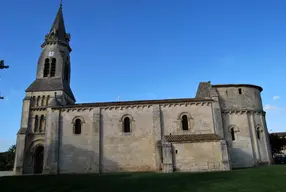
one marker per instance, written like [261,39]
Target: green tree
[277,143]
[10,157]
[3,66]
[7,159]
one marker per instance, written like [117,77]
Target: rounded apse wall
[239,97]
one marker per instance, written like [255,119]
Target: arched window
[36,123]
[47,100]
[42,125]
[46,68]
[232,134]
[43,101]
[126,125]
[185,123]
[77,126]
[38,100]
[53,67]
[258,133]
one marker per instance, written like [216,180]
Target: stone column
[225,157]
[158,134]
[96,142]
[252,133]
[21,137]
[48,139]
[51,149]
[20,154]
[216,113]
[266,136]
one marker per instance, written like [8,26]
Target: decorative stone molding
[139,106]
[121,124]
[38,108]
[34,144]
[80,109]
[259,128]
[190,121]
[184,113]
[78,117]
[234,127]
[243,111]
[81,125]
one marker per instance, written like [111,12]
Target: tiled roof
[51,84]
[192,138]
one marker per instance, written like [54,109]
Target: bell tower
[53,69]
[50,88]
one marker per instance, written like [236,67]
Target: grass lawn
[268,178]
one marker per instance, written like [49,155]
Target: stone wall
[262,141]
[241,151]
[200,118]
[79,153]
[230,98]
[242,111]
[134,151]
[103,146]
[196,157]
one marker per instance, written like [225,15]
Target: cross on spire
[61,4]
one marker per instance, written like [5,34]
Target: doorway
[38,159]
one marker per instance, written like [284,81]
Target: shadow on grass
[270,178]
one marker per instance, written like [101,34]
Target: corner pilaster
[96,142]
[217,115]
[255,148]
[225,156]
[158,135]
[51,150]
[21,137]
[266,136]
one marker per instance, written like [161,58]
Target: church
[223,127]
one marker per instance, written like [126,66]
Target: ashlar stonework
[222,128]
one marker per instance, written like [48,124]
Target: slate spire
[57,32]
[54,68]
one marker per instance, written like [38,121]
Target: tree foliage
[3,66]
[7,159]
[277,143]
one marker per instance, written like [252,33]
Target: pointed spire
[57,32]
[58,27]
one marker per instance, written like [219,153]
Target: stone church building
[221,128]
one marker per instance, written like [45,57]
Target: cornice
[38,108]
[135,106]
[79,109]
[54,42]
[243,111]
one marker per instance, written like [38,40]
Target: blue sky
[147,49]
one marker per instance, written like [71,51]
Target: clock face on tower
[51,54]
